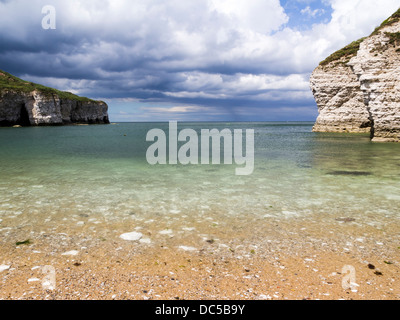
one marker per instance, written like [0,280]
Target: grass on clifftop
[352,49]
[347,52]
[395,17]
[10,82]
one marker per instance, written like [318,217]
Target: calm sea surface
[338,189]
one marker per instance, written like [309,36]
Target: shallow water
[95,181]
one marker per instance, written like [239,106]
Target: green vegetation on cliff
[394,38]
[395,17]
[347,52]
[344,55]
[13,83]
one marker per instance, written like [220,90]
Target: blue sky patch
[303,13]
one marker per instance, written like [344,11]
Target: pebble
[166,232]
[132,236]
[189,229]
[4,268]
[145,241]
[185,248]
[70,253]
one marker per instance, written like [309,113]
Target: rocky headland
[357,89]
[23,103]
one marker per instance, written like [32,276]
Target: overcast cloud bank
[185,60]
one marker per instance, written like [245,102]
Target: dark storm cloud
[227,53]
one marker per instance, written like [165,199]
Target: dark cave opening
[24,117]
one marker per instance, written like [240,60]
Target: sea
[331,190]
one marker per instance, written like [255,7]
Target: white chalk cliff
[28,104]
[357,89]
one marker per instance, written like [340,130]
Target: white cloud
[312,13]
[175,109]
[258,15]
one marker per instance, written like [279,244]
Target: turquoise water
[95,180]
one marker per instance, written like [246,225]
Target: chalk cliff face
[357,89]
[340,100]
[26,104]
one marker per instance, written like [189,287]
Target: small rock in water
[345,220]
[350,173]
[132,236]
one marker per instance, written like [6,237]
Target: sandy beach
[130,270]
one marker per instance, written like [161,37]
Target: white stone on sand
[70,253]
[185,248]
[189,229]
[4,268]
[145,240]
[132,236]
[168,231]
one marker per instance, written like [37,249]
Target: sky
[184,60]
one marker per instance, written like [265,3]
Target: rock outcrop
[27,104]
[357,89]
